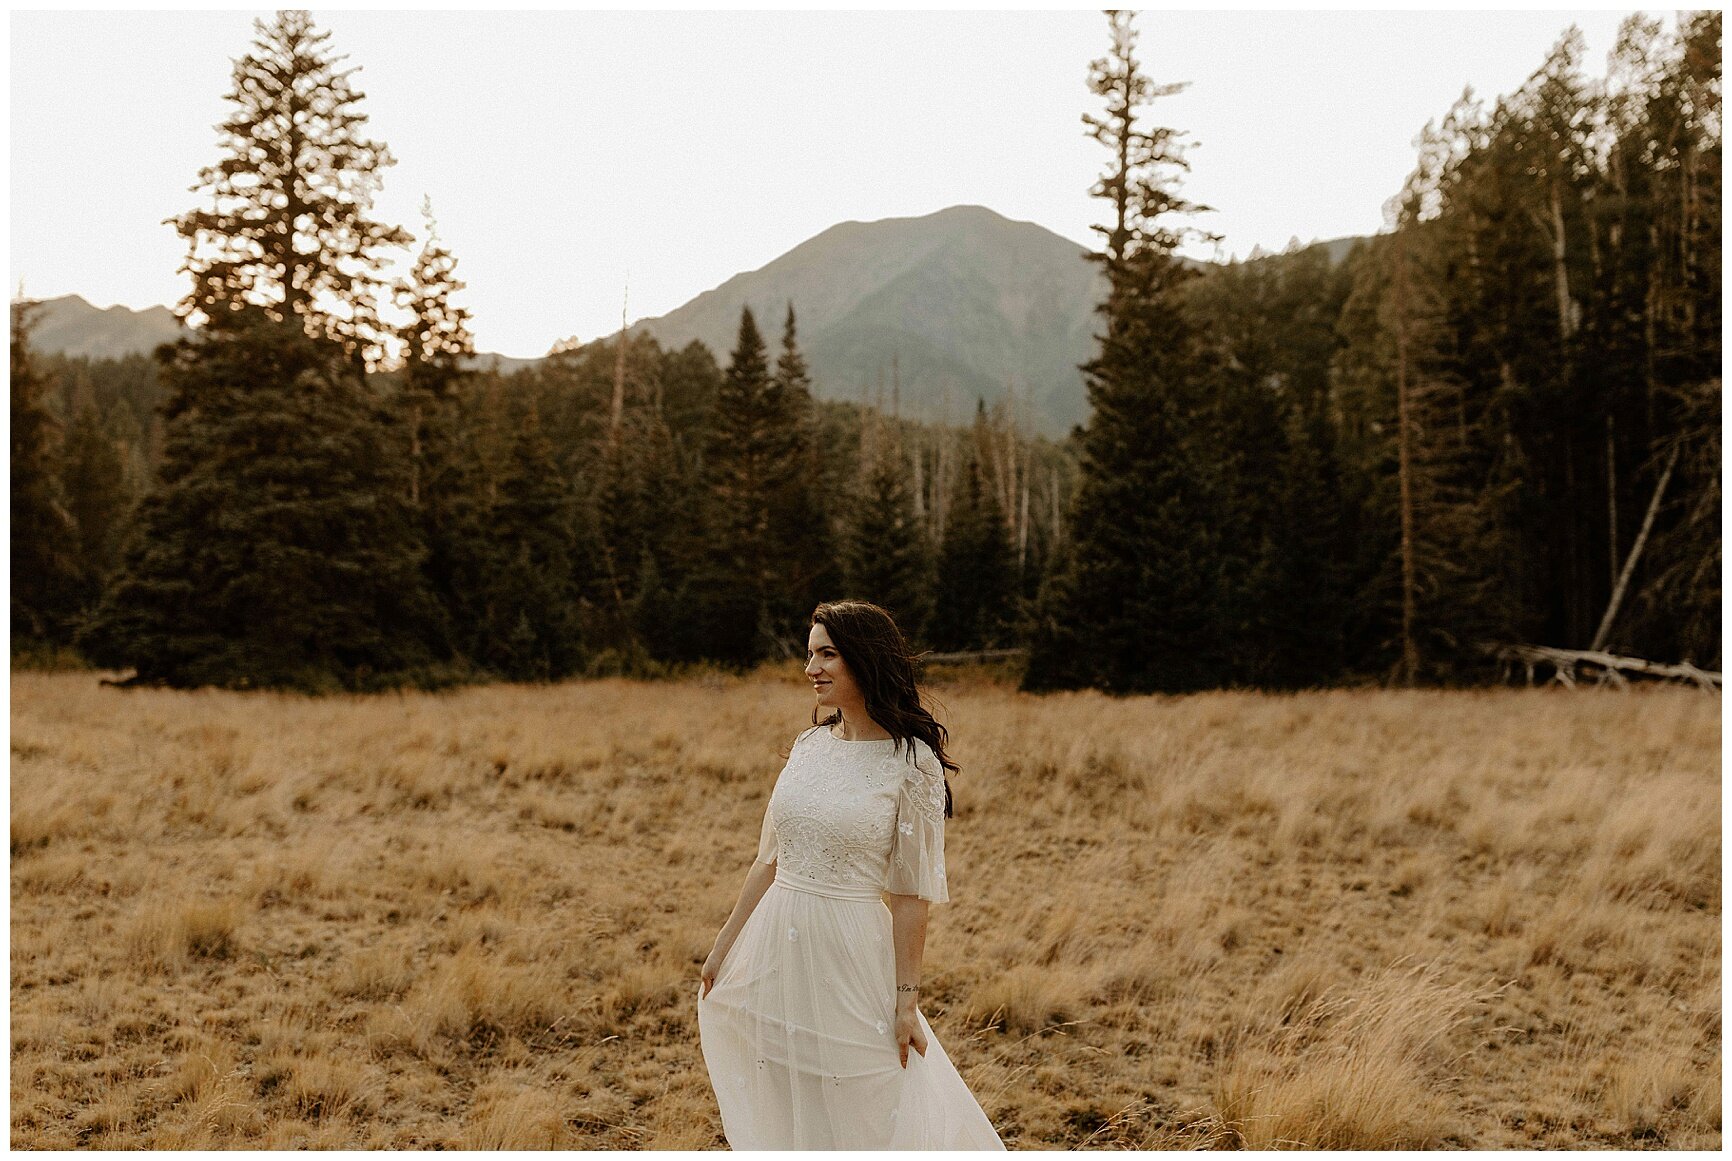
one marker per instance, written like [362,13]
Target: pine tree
[44,570]
[649,505]
[972,598]
[1675,153]
[1434,444]
[1307,599]
[1271,321]
[747,464]
[804,546]
[1142,608]
[288,227]
[1542,134]
[277,549]
[668,494]
[886,557]
[454,517]
[445,477]
[436,339]
[532,629]
[655,618]
[98,498]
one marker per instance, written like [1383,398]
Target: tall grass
[475,919]
[1356,1067]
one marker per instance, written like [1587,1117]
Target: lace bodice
[858,814]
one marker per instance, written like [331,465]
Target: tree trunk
[1611,499]
[1686,232]
[1057,512]
[920,490]
[1409,667]
[1578,601]
[1635,551]
[1022,529]
[1566,312]
[619,372]
[415,455]
[1650,325]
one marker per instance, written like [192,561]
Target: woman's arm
[758,880]
[908,935]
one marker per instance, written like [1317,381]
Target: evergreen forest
[1497,421]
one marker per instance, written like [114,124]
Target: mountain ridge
[947,307]
[70,325]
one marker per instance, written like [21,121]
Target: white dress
[798,1031]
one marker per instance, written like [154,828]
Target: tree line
[1497,422]
[1297,471]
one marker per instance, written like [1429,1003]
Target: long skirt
[798,1034]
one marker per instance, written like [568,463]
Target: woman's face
[831,681]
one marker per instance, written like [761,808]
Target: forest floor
[1342,919]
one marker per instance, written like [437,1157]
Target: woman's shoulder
[923,758]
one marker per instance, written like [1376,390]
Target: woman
[809,1005]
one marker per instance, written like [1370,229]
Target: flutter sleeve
[767,839]
[917,846]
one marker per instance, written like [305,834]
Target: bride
[809,1002]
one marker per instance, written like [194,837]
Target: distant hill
[1339,248]
[68,325]
[967,302]
[970,303]
[503,364]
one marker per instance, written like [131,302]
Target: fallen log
[1605,668]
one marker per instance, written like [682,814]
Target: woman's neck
[867,731]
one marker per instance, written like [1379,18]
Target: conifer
[445,480]
[747,465]
[43,537]
[277,549]
[1142,608]
[800,524]
[973,589]
[98,497]
[533,629]
[287,227]
[887,559]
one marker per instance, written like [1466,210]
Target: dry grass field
[1343,919]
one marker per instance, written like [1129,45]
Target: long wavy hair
[877,654]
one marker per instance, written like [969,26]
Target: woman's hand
[758,881]
[908,1028]
[712,965]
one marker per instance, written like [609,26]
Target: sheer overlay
[798,1031]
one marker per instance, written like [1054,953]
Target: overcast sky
[564,151]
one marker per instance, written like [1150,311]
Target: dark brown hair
[877,655]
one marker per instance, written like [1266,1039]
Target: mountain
[70,326]
[501,364]
[966,302]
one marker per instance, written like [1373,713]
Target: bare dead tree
[1409,665]
[1635,551]
[619,369]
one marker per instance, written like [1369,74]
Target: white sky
[563,150]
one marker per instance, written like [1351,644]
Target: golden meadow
[1340,919]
